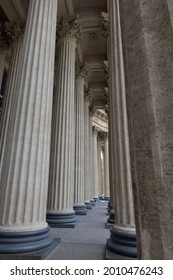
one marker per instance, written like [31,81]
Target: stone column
[146,27]
[14,36]
[95,164]
[91,151]
[99,161]
[124,228]
[79,206]
[106,167]
[87,174]
[24,173]
[60,211]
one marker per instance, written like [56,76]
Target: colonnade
[55,163]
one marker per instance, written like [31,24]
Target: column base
[111,219]
[107,198]
[96,199]
[23,242]
[122,242]
[62,220]
[34,255]
[88,205]
[92,202]
[80,209]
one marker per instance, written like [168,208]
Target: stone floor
[87,240]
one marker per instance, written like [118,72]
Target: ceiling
[92,48]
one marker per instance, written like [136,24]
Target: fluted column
[60,211]
[24,172]
[91,160]
[95,164]
[14,34]
[99,161]
[106,167]
[149,87]
[79,206]
[124,228]
[87,173]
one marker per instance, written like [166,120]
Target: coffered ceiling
[92,48]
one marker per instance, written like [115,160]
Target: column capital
[105,135]
[106,69]
[88,94]
[105,24]
[95,129]
[106,109]
[92,111]
[81,71]
[69,27]
[11,32]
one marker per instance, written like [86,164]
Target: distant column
[95,164]
[106,167]
[79,206]
[87,165]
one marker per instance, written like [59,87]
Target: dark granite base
[62,220]
[88,205]
[109,225]
[122,242]
[35,255]
[114,256]
[92,202]
[24,242]
[80,209]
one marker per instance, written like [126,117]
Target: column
[91,151]
[79,206]
[99,161]
[60,211]
[106,167]
[14,35]
[122,240]
[24,173]
[149,99]
[95,164]
[87,174]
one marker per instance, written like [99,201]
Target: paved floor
[87,240]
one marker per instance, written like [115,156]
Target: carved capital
[88,94]
[105,135]
[106,109]
[69,27]
[81,71]
[95,129]
[105,24]
[106,69]
[11,32]
[92,111]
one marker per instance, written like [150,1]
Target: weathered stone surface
[148,55]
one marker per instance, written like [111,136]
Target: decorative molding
[69,27]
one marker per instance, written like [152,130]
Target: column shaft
[106,167]
[79,206]
[119,144]
[95,164]
[61,177]
[87,174]
[24,172]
